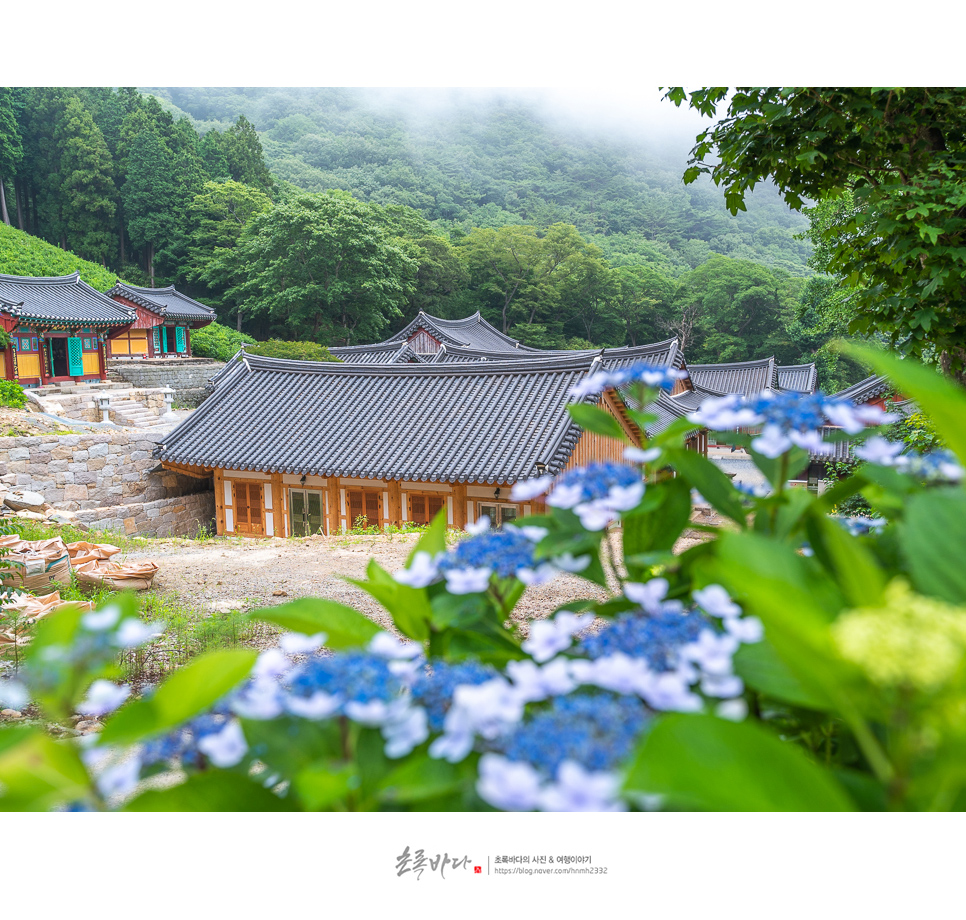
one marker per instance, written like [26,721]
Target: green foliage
[22,254]
[322,267]
[294,351]
[12,394]
[218,342]
[854,696]
[890,159]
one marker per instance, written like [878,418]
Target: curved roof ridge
[72,278]
[755,362]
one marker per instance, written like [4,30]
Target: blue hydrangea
[182,744]
[596,480]
[434,690]
[642,372]
[354,676]
[655,638]
[596,730]
[504,552]
[787,419]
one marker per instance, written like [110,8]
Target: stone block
[61,453]
[96,463]
[130,525]
[17,466]
[19,453]
[75,493]
[98,449]
[58,466]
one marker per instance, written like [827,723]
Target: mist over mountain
[492,157]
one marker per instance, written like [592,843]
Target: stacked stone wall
[108,478]
[186,376]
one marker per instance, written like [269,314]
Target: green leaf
[853,567]
[761,669]
[409,607]
[343,626]
[418,778]
[185,694]
[709,481]
[214,790]
[659,529]
[38,773]
[321,787]
[932,538]
[701,762]
[433,541]
[590,418]
[943,402]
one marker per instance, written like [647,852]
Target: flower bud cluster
[598,492]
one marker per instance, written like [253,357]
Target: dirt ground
[230,573]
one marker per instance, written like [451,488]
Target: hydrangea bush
[794,660]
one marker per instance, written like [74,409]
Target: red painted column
[102,355]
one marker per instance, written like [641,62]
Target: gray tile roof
[865,390]
[483,422]
[744,378]
[471,332]
[166,302]
[798,378]
[64,299]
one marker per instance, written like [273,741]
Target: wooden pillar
[220,502]
[44,357]
[459,505]
[187,341]
[334,516]
[538,506]
[395,502]
[279,506]
[102,355]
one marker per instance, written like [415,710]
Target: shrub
[793,661]
[218,342]
[297,351]
[12,394]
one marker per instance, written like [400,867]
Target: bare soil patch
[229,573]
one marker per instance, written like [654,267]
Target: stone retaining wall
[106,478]
[177,373]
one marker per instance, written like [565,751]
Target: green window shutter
[179,338]
[156,335]
[75,357]
[164,338]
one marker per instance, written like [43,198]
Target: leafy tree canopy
[900,152]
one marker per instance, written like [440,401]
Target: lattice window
[179,342]
[75,357]
[364,504]
[424,507]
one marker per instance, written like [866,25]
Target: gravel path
[230,573]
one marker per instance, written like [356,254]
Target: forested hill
[472,161]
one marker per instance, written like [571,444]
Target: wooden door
[249,516]
[365,504]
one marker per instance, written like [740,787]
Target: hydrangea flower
[597,493]
[859,525]
[103,697]
[528,489]
[507,785]
[937,465]
[548,637]
[596,730]
[331,685]
[577,789]
[787,418]
[434,689]
[643,372]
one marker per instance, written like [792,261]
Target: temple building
[165,318]
[59,329]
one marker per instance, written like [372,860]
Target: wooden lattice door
[364,504]
[249,517]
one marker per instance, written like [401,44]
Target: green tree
[215,221]
[321,268]
[87,184]
[901,153]
[642,292]
[243,153]
[11,147]
[150,192]
[516,265]
[737,311]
